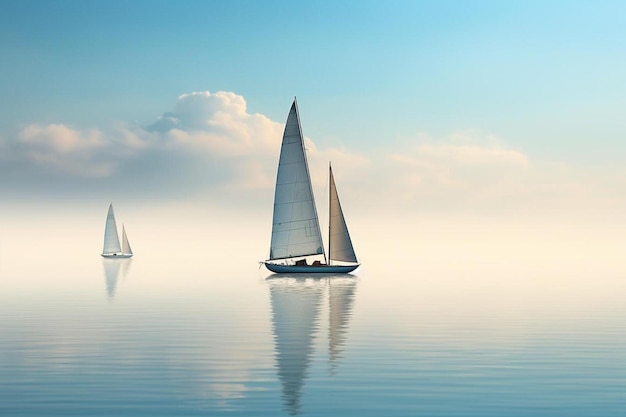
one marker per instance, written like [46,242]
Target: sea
[445,317]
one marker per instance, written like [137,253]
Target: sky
[422,106]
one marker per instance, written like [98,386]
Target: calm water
[529,331]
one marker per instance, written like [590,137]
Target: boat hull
[310,269]
[116,255]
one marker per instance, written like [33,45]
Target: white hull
[116,255]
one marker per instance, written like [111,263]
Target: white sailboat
[112,247]
[296,235]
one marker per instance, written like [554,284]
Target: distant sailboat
[295,230]
[112,248]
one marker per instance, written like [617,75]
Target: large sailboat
[296,245]
[112,247]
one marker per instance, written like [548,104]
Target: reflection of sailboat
[296,303]
[341,294]
[112,248]
[112,270]
[295,230]
[295,314]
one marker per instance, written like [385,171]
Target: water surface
[526,331]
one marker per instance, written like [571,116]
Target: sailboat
[296,235]
[112,247]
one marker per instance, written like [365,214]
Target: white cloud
[210,145]
[202,111]
[469,171]
[453,165]
[60,139]
[64,149]
[218,127]
[218,123]
[214,128]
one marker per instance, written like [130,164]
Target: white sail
[111,239]
[295,228]
[125,245]
[339,242]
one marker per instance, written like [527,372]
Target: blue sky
[462,88]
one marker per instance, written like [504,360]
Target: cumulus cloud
[218,123]
[238,148]
[200,110]
[64,149]
[210,144]
[209,141]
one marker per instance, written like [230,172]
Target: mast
[308,174]
[330,176]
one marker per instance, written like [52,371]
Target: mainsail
[295,226]
[339,242]
[111,239]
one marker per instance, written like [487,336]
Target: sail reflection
[296,304]
[113,268]
[341,292]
